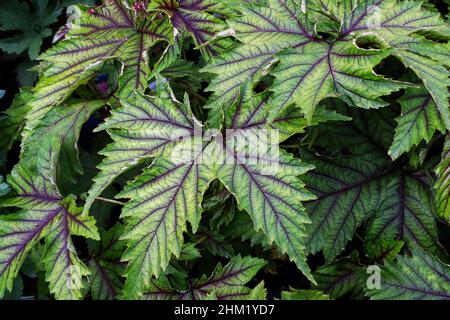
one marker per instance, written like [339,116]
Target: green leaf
[347,190]
[44,214]
[308,72]
[270,191]
[12,123]
[164,198]
[62,125]
[319,70]
[405,213]
[110,32]
[340,277]
[419,277]
[384,250]
[28,24]
[196,17]
[225,283]
[395,25]
[105,265]
[298,294]
[442,185]
[4,187]
[419,120]
[144,127]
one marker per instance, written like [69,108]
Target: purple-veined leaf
[107,32]
[442,185]
[105,265]
[197,18]
[419,277]
[225,283]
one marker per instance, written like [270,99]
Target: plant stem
[110,201]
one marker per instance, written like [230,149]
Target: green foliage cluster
[96,207]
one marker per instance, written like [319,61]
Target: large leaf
[405,213]
[314,68]
[44,214]
[268,189]
[226,283]
[109,32]
[347,190]
[352,188]
[340,277]
[164,198]
[142,128]
[395,25]
[419,277]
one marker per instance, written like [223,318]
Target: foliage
[110,193]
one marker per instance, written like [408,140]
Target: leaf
[418,121]
[12,123]
[144,127]
[318,70]
[347,193]
[405,213]
[107,33]
[197,17]
[339,277]
[242,228]
[395,25]
[62,125]
[364,184]
[442,185]
[4,187]
[297,294]
[268,189]
[28,25]
[235,68]
[419,277]
[384,250]
[225,283]
[308,72]
[105,265]
[44,215]
[216,244]
[164,198]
